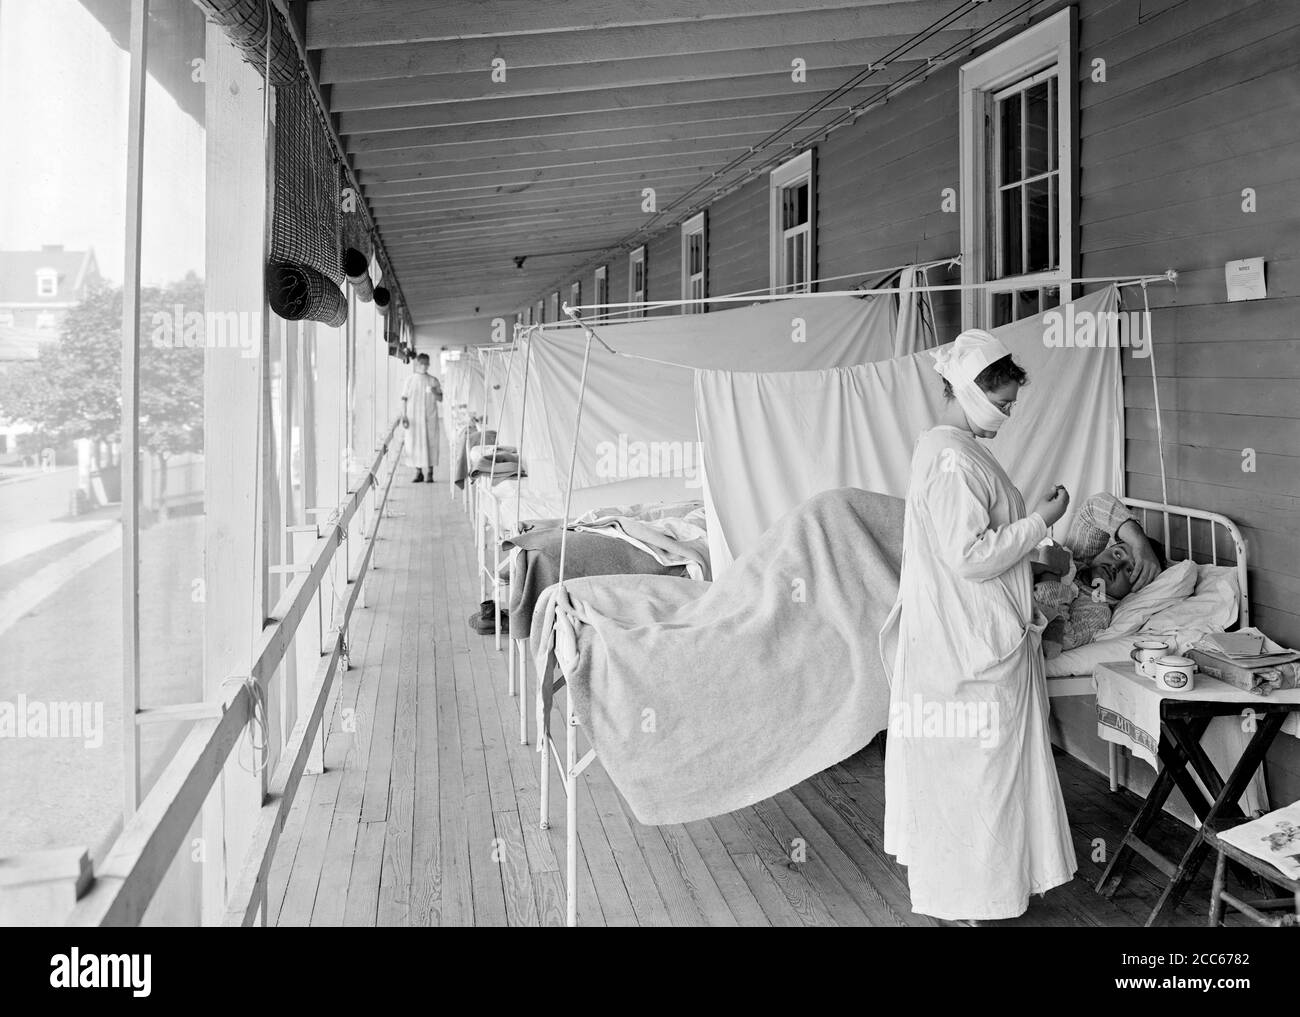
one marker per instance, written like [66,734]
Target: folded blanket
[702,698]
[537,566]
[670,540]
[465,441]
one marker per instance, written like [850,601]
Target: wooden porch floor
[427,813]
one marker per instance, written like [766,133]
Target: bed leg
[1112,761]
[518,647]
[510,664]
[542,739]
[571,811]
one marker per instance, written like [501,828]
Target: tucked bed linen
[702,698]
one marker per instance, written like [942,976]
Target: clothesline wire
[1143,281]
[764,292]
[1170,275]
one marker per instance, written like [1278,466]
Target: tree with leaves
[74,387]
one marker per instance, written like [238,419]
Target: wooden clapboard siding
[738,241]
[664,275]
[1200,102]
[427,812]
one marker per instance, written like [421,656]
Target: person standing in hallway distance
[973,810]
[420,398]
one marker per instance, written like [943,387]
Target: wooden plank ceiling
[601,98]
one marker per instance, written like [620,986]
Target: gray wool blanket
[702,698]
[587,554]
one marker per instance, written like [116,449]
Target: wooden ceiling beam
[612,99]
[444,258]
[578,126]
[827,68]
[593,141]
[580,218]
[552,190]
[565,124]
[510,178]
[783,37]
[348,23]
[645,156]
[469,212]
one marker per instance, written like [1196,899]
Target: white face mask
[980,412]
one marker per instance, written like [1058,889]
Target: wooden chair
[1255,909]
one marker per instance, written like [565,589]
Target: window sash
[1017,189]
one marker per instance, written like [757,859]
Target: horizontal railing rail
[121,888]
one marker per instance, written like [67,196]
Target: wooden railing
[120,889]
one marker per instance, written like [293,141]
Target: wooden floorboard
[428,812]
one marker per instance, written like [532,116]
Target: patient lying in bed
[1110,557]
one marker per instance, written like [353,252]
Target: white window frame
[555,306]
[46,319]
[575,293]
[47,282]
[540,315]
[600,290]
[1052,42]
[634,296]
[695,287]
[791,173]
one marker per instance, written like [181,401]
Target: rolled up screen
[356,266]
[298,293]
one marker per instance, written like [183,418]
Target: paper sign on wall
[1245,279]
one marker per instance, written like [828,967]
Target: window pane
[1009,128]
[794,203]
[63,118]
[1040,223]
[1051,112]
[1001,309]
[1012,255]
[1036,129]
[1026,304]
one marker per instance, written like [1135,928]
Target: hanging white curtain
[639,436]
[773,440]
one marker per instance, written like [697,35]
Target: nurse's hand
[1053,506]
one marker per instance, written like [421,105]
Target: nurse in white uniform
[421,394]
[973,805]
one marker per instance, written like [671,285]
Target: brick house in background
[38,287]
[36,290]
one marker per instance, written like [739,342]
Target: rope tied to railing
[257,727]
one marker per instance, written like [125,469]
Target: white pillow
[1211,608]
[1173,585]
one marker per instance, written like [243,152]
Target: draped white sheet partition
[462,383]
[639,440]
[773,440]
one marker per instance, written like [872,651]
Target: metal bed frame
[571,766]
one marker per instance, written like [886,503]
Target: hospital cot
[1221,531]
[1172,518]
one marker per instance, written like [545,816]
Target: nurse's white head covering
[959,363]
[966,356]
